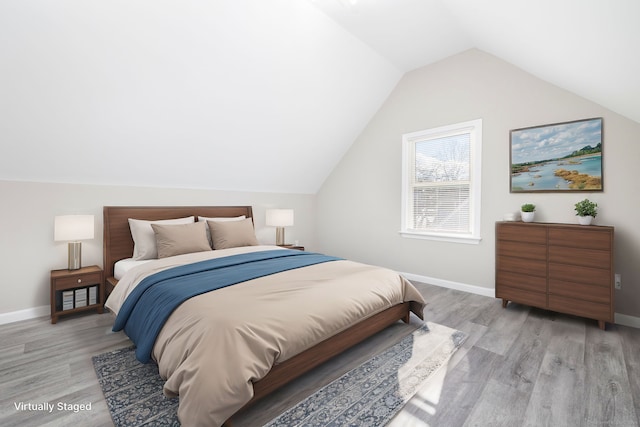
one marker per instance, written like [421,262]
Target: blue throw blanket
[153,300]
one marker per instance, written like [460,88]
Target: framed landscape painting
[557,157]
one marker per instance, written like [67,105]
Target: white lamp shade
[73,227]
[280,217]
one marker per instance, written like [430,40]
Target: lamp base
[279,236]
[75,255]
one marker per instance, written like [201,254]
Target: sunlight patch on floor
[424,404]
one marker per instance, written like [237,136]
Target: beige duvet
[215,345]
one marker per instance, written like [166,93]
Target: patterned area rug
[369,395]
[133,390]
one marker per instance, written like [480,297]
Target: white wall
[359,204]
[28,252]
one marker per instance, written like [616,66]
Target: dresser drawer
[522,250]
[528,267]
[521,281]
[520,232]
[579,291]
[582,308]
[535,299]
[579,256]
[584,238]
[584,275]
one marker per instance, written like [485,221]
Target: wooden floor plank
[499,405]
[608,396]
[524,357]
[504,329]
[631,351]
[558,395]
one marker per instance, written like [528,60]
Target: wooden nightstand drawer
[77,281]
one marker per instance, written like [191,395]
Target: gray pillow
[178,239]
[231,234]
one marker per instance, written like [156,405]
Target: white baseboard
[472,289]
[29,313]
[625,320]
[620,319]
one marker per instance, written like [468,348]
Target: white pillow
[222,219]
[145,240]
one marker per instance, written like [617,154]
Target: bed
[193,349]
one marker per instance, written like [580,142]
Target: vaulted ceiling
[262,95]
[589,47]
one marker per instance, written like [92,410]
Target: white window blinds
[441,181]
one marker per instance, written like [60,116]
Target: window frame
[409,140]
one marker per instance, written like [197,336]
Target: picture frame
[558,157]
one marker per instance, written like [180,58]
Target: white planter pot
[585,220]
[527,216]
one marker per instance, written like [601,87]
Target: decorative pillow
[178,239]
[144,239]
[231,234]
[221,219]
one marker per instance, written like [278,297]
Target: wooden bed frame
[118,244]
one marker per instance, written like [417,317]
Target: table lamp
[280,218]
[72,229]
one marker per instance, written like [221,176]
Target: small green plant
[586,208]
[528,207]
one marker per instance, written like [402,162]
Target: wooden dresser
[561,267]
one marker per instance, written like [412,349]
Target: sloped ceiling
[235,94]
[589,47]
[262,95]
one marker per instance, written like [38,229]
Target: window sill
[442,237]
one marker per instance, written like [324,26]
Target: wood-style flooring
[519,366]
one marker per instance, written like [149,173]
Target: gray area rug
[369,395]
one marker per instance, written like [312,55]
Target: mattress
[121,267]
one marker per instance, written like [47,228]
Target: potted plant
[586,210]
[528,211]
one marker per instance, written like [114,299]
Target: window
[441,183]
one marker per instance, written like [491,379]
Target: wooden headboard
[118,243]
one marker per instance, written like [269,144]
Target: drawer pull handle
[79,280]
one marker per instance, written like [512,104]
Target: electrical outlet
[618,281]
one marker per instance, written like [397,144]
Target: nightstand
[300,248]
[73,291]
